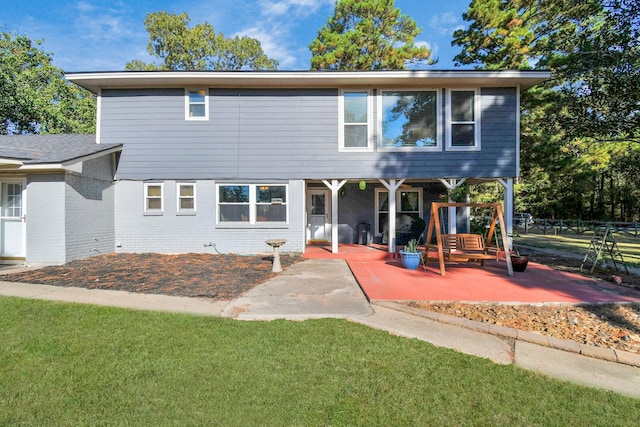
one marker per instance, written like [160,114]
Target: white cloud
[444,23]
[281,27]
[292,7]
[111,23]
[271,45]
[423,44]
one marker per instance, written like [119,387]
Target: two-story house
[226,160]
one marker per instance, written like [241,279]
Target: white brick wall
[173,233]
[89,218]
[45,204]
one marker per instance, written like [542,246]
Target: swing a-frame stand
[603,242]
[465,247]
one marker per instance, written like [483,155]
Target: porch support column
[507,183]
[335,187]
[451,184]
[392,186]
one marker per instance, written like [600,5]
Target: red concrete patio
[382,278]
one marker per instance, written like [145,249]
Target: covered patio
[383,278]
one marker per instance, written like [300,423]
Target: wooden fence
[573,226]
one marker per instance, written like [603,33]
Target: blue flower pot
[410,260]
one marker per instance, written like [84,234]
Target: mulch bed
[221,277]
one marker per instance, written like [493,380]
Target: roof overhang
[94,81]
[72,165]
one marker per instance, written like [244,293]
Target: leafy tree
[518,34]
[367,35]
[592,47]
[34,97]
[198,48]
[599,71]
[576,126]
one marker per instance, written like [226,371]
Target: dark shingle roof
[43,149]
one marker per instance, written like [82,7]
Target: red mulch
[221,277]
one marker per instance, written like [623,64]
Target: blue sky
[102,35]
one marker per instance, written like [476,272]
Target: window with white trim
[186,193]
[408,202]
[153,197]
[196,104]
[252,203]
[356,133]
[408,118]
[463,119]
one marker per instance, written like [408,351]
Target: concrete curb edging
[607,354]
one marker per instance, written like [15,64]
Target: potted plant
[411,255]
[519,262]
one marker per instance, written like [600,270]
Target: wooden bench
[463,247]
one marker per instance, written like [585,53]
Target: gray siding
[175,233]
[282,134]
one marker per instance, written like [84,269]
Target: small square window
[186,197]
[153,197]
[197,104]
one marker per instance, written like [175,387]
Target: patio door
[318,216]
[12,219]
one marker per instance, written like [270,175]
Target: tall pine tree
[368,35]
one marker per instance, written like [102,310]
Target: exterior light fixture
[362,185]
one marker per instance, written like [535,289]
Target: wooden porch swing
[466,247]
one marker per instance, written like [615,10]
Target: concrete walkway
[320,288]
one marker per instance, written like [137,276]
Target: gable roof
[53,150]
[94,81]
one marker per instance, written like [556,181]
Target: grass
[629,246]
[71,364]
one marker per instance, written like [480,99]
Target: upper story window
[196,104]
[355,120]
[186,197]
[408,118]
[252,203]
[153,198]
[463,118]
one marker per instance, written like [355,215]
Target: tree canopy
[34,96]
[198,48]
[592,48]
[580,130]
[367,35]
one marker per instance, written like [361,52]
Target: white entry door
[12,219]
[318,216]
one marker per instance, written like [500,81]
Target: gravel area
[603,325]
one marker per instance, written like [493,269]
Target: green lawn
[629,246]
[71,364]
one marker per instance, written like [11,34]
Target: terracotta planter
[519,262]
